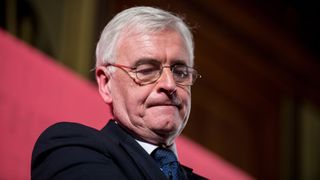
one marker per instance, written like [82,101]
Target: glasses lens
[183,74]
[147,72]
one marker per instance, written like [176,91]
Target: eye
[147,69]
[181,71]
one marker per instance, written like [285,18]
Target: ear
[103,78]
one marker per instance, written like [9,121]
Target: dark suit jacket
[75,151]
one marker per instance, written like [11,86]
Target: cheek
[187,109]
[186,100]
[135,98]
[185,95]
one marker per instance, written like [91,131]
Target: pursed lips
[178,105]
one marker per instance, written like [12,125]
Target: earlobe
[103,78]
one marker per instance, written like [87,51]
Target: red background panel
[36,92]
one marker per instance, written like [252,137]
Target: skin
[157,112]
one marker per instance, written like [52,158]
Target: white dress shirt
[151,147]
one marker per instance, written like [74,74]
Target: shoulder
[64,133]
[67,129]
[66,148]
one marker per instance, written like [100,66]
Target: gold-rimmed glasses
[148,73]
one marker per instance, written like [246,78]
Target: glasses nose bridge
[166,66]
[171,70]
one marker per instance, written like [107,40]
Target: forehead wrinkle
[147,42]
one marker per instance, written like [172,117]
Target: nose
[166,81]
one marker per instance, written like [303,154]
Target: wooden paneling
[250,60]
[249,64]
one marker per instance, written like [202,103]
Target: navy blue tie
[168,162]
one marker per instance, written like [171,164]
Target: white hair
[150,19]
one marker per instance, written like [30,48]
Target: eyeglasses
[148,73]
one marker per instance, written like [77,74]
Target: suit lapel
[188,172]
[136,153]
[143,160]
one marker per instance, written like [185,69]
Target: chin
[168,126]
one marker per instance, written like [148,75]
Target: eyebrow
[146,61]
[157,62]
[178,62]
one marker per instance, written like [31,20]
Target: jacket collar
[142,159]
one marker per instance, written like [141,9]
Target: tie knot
[164,156]
[168,163]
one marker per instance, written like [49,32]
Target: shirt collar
[151,147]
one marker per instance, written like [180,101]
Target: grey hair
[147,19]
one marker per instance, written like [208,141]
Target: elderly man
[144,71]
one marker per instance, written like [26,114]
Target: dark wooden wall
[259,61]
[253,63]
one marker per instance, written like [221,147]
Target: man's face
[155,112]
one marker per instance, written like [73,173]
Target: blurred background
[258,103]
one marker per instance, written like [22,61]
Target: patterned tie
[168,162]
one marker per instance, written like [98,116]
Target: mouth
[179,106]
